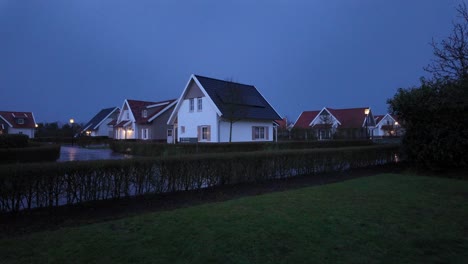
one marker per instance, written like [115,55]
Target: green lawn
[388,218]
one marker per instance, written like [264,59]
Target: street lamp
[366,112]
[72,121]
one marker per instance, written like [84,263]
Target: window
[191,105]
[205,133]
[144,133]
[182,129]
[144,113]
[259,133]
[128,115]
[20,121]
[169,133]
[199,104]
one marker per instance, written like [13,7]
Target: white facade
[387,126]
[24,131]
[195,123]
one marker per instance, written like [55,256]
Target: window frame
[191,105]
[199,104]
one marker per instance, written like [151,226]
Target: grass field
[387,218]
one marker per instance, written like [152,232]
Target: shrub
[39,153]
[13,141]
[151,149]
[53,184]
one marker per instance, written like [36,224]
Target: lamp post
[366,112]
[72,121]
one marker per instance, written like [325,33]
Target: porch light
[396,123]
[366,111]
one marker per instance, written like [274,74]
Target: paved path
[70,153]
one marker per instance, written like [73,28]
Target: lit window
[191,104]
[199,104]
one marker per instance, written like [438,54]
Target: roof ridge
[196,75]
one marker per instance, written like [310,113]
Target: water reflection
[68,153]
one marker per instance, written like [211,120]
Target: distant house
[17,123]
[102,124]
[331,123]
[212,110]
[145,120]
[386,126]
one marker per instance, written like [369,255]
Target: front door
[170,136]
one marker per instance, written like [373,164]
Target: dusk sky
[62,59]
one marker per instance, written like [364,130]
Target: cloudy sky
[63,59]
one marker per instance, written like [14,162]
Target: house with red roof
[387,126]
[12,122]
[145,120]
[330,123]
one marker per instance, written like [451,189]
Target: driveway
[70,153]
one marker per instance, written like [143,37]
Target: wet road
[69,153]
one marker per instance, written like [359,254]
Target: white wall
[191,120]
[378,131]
[25,131]
[242,130]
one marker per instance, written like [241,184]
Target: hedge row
[39,153]
[13,141]
[152,149]
[48,185]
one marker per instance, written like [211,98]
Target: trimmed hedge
[13,141]
[152,149]
[53,184]
[38,153]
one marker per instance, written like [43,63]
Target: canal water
[72,153]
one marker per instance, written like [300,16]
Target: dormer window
[20,121]
[144,113]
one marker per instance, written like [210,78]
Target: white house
[387,125]
[17,123]
[329,123]
[212,110]
[145,120]
[101,123]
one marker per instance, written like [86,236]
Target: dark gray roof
[238,101]
[91,125]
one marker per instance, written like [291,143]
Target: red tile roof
[282,123]
[305,118]
[13,117]
[137,108]
[351,117]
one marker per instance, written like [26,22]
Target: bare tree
[233,104]
[451,54]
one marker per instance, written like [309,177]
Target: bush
[151,149]
[13,141]
[54,184]
[39,153]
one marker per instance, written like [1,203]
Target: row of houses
[213,110]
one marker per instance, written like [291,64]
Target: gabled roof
[154,109]
[379,118]
[236,100]
[305,118]
[347,118]
[350,117]
[100,117]
[11,118]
